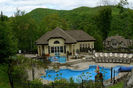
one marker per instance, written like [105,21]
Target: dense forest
[22,30]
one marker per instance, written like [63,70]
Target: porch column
[40,50]
[74,50]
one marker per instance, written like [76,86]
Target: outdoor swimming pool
[78,75]
[60,59]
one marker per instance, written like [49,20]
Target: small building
[64,42]
[117,42]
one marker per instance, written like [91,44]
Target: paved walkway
[85,65]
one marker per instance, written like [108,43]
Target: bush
[36,83]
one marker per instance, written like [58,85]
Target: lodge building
[64,42]
[117,42]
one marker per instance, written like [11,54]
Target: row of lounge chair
[118,55]
[112,60]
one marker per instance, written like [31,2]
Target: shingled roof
[80,35]
[118,38]
[70,36]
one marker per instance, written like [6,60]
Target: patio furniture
[105,54]
[100,59]
[110,60]
[110,54]
[121,60]
[121,55]
[96,55]
[96,60]
[124,61]
[125,55]
[103,59]
[101,54]
[115,55]
[117,60]
[130,56]
[106,60]
[113,60]
[128,60]
[93,58]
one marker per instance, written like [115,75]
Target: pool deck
[85,65]
[76,64]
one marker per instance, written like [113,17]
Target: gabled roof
[118,38]
[70,36]
[56,33]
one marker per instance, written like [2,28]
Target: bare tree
[104,2]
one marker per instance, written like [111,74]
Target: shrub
[36,83]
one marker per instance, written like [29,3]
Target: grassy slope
[39,13]
[4,82]
[118,85]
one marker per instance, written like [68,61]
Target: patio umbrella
[97,69]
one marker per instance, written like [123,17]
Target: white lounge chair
[115,55]
[130,56]
[125,55]
[105,54]
[110,54]
[101,54]
[121,60]
[96,54]
[121,55]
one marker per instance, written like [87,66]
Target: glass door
[57,50]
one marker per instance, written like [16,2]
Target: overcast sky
[9,6]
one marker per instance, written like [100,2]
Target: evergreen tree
[26,31]
[8,43]
[121,5]
[103,20]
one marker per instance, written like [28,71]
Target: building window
[83,45]
[55,49]
[58,49]
[86,46]
[92,46]
[89,46]
[61,49]
[52,49]
[56,42]
[49,49]
[80,45]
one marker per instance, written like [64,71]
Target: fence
[84,84]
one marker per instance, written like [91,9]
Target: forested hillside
[99,22]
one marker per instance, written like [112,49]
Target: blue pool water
[78,75]
[60,59]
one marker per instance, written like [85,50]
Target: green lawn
[118,85]
[4,82]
